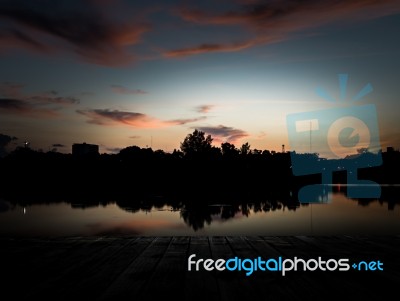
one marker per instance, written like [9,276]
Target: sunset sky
[120,73]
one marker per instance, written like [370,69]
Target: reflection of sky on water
[341,216]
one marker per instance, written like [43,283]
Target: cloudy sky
[119,73]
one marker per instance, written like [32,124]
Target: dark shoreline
[147,174]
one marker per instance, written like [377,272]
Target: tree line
[198,170]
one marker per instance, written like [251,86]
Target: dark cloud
[107,117]
[42,104]
[204,108]
[139,120]
[126,91]
[58,145]
[275,21]
[48,99]
[4,142]
[134,137]
[184,121]
[223,133]
[102,33]
[13,104]
[23,107]
[81,27]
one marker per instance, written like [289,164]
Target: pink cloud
[209,48]
[134,119]
[223,133]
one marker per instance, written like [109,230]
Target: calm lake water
[340,216]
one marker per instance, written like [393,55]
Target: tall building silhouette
[82,149]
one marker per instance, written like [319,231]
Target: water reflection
[166,216]
[196,214]
[197,217]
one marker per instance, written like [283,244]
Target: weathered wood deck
[147,268]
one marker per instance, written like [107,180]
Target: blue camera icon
[324,141]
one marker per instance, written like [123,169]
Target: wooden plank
[352,282]
[261,247]
[145,268]
[66,271]
[92,282]
[317,283]
[270,285]
[37,261]
[329,245]
[386,245]
[201,285]
[233,285]
[279,287]
[378,248]
[134,278]
[168,278]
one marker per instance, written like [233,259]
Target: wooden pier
[150,268]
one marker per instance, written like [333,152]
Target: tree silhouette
[177,154]
[196,144]
[227,171]
[229,150]
[245,149]
[256,152]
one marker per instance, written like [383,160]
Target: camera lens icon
[337,139]
[343,138]
[347,135]
[333,133]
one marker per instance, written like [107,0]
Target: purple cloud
[223,133]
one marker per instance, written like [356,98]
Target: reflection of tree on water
[197,216]
[389,198]
[147,205]
[198,213]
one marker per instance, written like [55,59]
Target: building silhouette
[83,149]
